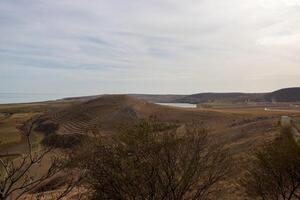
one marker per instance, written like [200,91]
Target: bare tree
[273,173]
[154,161]
[17,179]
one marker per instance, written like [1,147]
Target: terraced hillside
[239,128]
[108,113]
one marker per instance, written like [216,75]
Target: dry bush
[149,161]
[62,141]
[46,127]
[18,177]
[274,170]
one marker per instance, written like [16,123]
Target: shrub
[146,163]
[274,172]
[62,141]
[46,127]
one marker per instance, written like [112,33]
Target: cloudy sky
[148,46]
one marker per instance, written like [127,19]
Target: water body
[6,98]
[180,105]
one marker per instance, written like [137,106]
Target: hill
[232,97]
[194,98]
[284,95]
[109,112]
[157,98]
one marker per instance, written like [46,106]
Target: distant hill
[209,97]
[156,98]
[81,98]
[284,95]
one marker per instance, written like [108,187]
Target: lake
[180,105]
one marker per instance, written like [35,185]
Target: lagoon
[179,105]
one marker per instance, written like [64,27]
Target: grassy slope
[9,133]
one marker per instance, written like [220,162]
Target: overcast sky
[148,46]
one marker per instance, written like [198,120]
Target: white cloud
[170,46]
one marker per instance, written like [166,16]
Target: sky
[83,47]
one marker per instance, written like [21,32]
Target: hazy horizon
[23,97]
[148,46]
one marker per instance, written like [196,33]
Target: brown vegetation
[154,161]
[17,179]
[274,171]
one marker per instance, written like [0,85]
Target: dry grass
[9,132]
[13,116]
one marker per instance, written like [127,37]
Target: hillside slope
[110,112]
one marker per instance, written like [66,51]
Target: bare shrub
[62,141]
[274,170]
[17,174]
[145,162]
[46,127]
